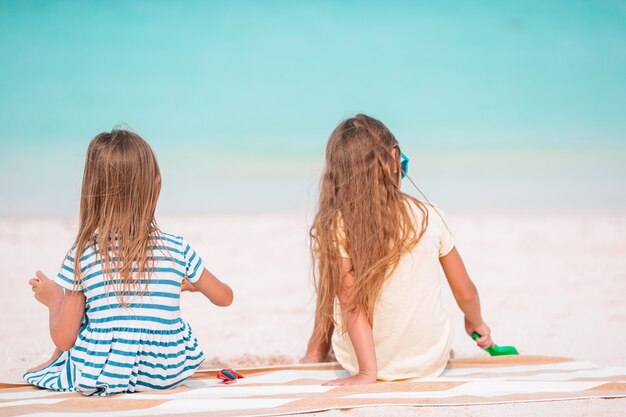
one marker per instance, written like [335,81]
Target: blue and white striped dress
[143,346]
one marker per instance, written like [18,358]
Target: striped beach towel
[297,389]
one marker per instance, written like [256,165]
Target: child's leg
[55,355]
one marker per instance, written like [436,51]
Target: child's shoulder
[87,252]
[420,206]
[169,237]
[437,217]
[160,239]
[170,241]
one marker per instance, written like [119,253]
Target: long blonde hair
[121,186]
[360,203]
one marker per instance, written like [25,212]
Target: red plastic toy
[228,376]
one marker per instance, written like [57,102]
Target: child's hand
[358,379]
[484,341]
[187,286]
[46,291]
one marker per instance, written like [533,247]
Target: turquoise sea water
[498,104]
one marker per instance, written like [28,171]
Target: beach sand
[551,283]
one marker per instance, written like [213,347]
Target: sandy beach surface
[551,283]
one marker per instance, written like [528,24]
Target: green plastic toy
[496,350]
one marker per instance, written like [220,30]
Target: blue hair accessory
[404,165]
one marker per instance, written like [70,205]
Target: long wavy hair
[121,186]
[362,208]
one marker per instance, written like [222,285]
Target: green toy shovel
[496,350]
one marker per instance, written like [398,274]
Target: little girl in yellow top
[377,254]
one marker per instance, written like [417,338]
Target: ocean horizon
[206,180]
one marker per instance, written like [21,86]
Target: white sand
[551,283]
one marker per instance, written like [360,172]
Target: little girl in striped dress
[114,306]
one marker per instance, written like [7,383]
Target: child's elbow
[63,338]
[227,299]
[231,296]
[467,296]
[63,344]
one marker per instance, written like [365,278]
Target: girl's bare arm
[66,310]
[66,320]
[466,296]
[215,290]
[359,331]
[319,343]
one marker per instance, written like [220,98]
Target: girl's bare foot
[55,355]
